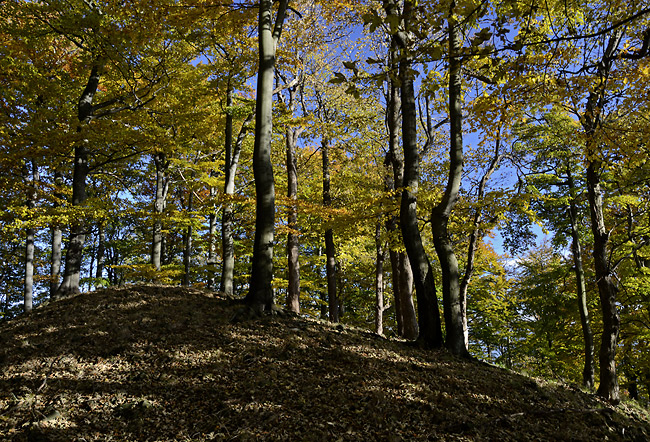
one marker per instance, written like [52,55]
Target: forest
[466,174]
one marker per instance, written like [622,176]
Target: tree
[260,294]
[430,327]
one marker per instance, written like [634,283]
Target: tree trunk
[74,252]
[379,283]
[409,317]
[32,182]
[402,277]
[232,162]
[162,186]
[475,236]
[227,242]
[330,250]
[607,288]
[211,282]
[605,277]
[453,305]
[187,244]
[260,295]
[57,239]
[293,245]
[101,251]
[430,327]
[588,370]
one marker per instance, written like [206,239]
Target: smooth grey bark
[430,327]
[402,277]
[453,304]
[260,295]
[227,242]
[211,281]
[57,239]
[330,249]
[101,251]
[604,271]
[293,242]
[160,202]
[476,235]
[74,251]
[187,244]
[32,182]
[232,162]
[581,290]
[379,283]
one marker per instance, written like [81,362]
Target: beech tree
[260,294]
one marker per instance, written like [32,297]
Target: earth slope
[153,363]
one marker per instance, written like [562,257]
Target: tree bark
[212,246]
[402,277]
[187,243]
[453,305]
[330,249]
[576,249]
[101,251]
[227,216]
[32,182]
[162,187]
[293,244]
[74,252]
[57,240]
[475,236]
[379,283]
[430,328]
[260,295]
[605,276]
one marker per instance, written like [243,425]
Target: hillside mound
[154,363]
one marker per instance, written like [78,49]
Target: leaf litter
[158,363]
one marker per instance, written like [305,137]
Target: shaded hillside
[164,363]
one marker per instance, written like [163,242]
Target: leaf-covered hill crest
[153,363]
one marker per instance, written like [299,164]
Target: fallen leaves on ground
[155,363]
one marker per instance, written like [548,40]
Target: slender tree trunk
[260,295]
[162,186]
[330,250]
[395,283]
[101,251]
[74,251]
[379,283]
[588,370]
[32,182]
[605,277]
[227,242]
[57,240]
[453,305]
[430,328]
[293,244]
[227,217]
[212,246]
[475,236]
[409,317]
[607,288]
[402,277]
[187,244]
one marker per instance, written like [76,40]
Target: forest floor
[151,363]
